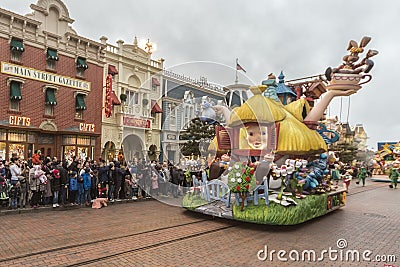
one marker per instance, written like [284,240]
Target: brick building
[51,81]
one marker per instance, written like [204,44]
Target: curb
[66,208]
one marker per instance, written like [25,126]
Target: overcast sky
[302,38]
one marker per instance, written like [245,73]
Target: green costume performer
[394,175]
[362,175]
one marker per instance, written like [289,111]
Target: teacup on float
[344,81]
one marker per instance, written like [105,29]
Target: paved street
[150,233]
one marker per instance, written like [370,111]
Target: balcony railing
[201,83]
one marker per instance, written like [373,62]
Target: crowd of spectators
[46,181]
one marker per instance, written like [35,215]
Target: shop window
[17,136]
[17,48]
[82,153]
[2,150]
[69,140]
[51,59]
[83,141]
[3,135]
[16,150]
[69,152]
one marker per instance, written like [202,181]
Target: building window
[80,106]
[17,48]
[155,83]
[81,66]
[50,101]
[132,98]
[172,118]
[15,95]
[51,59]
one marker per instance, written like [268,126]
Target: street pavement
[152,233]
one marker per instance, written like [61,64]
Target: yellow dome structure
[294,137]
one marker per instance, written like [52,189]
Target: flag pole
[237,78]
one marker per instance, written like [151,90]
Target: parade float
[271,139]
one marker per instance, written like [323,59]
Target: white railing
[201,83]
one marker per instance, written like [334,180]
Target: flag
[238,67]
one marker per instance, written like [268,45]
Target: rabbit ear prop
[352,44]
[364,41]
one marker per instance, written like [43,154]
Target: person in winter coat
[34,183]
[24,186]
[64,182]
[87,184]
[174,181]
[36,158]
[118,177]
[55,187]
[73,188]
[15,170]
[154,184]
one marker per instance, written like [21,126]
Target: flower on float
[233,180]
[285,201]
[230,168]
[239,180]
[238,188]
[247,186]
[237,167]
[248,179]
[238,174]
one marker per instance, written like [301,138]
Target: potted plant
[123,97]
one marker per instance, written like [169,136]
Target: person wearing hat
[36,157]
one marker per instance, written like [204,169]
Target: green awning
[17,45]
[15,90]
[51,97]
[52,54]
[81,63]
[80,102]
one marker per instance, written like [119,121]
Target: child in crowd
[134,187]
[101,190]
[73,188]
[101,200]
[40,174]
[14,193]
[154,184]
[3,191]
[128,182]
[87,184]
